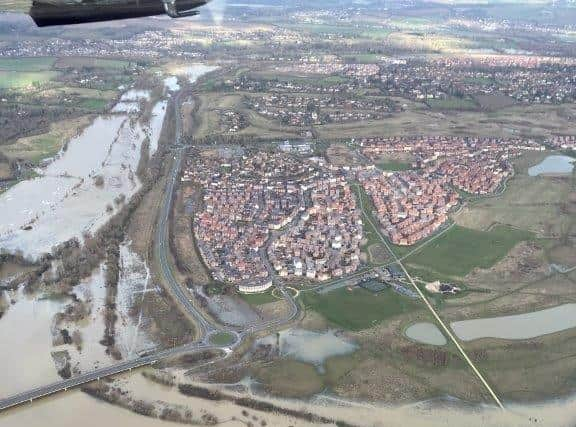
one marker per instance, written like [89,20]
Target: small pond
[556,164]
[425,333]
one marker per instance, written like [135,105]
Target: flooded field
[79,190]
[133,285]
[26,344]
[520,326]
[311,347]
[74,408]
[426,333]
[553,165]
[195,71]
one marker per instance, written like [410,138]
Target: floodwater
[311,347]
[26,343]
[426,333]
[73,409]
[126,107]
[171,84]
[520,326]
[133,285]
[77,192]
[27,328]
[136,95]
[195,71]
[556,164]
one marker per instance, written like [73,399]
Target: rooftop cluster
[245,198]
[410,206]
[472,164]
[325,241]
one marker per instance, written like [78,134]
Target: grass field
[27,64]
[357,309]
[258,299]
[38,147]
[222,338]
[460,250]
[76,62]
[393,165]
[290,378]
[95,104]
[418,119]
[18,79]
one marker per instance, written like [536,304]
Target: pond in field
[311,347]
[520,326]
[553,165]
[425,333]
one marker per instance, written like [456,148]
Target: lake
[556,164]
[519,326]
[425,333]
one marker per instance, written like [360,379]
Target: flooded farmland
[80,189]
[309,346]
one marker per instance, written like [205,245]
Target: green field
[27,64]
[79,62]
[393,165]
[95,104]
[16,79]
[357,309]
[460,250]
[222,338]
[258,299]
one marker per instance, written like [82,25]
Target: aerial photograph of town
[257,213]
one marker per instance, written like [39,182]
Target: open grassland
[290,378]
[418,119]
[460,250]
[357,309]
[393,165]
[261,127]
[537,204]
[27,64]
[84,62]
[19,79]
[452,103]
[259,299]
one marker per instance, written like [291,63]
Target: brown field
[187,256]
[341,155]
[378,254]
[494,102]
[533,121]
[563,254]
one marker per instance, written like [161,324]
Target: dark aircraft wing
[63,12]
